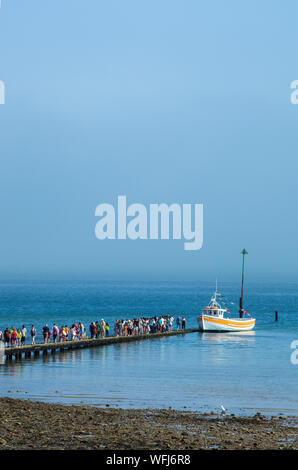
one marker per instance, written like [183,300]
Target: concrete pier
[35,349]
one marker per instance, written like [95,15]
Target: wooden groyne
[35,350]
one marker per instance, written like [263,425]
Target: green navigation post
[243,252]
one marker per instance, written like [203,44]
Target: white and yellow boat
[216,318]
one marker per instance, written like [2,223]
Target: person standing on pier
[24,335]
[55,332]
[83,330]
[45,333]
[33,334]
[62,334]
[102,328]
[19,337]
[92,329]
[6,336]
[80,333]
[66,329]
[183,323]
[13,336]
[73,333]
[178,322]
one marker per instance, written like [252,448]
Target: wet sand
[35,425]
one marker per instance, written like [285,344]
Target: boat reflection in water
[232,336]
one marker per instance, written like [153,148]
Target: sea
[245,373]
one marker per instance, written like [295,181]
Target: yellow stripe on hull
[207,323]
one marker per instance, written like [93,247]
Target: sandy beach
[35,425]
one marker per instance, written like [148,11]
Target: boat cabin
[214,308]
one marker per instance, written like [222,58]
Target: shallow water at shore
[245,372]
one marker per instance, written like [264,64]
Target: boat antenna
[243,253]
[215,293]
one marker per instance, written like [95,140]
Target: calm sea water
[245,372]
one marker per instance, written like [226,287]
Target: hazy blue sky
[162,101]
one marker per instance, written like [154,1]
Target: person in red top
[14,337]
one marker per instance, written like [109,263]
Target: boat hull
[208,323]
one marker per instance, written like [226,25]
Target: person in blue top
[178,322]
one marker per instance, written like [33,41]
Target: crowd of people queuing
[137,326]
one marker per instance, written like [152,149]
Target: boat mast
[243,252]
